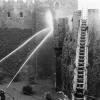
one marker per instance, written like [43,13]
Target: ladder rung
[83,37]
[80,85]
[81,63]
[80,72]
[83,21]
[83,29]
[81,91]
[83,32]
[80,68]
[80,80]
[82,43]
[82,40]
[81,53]
[81,76]
[83,26]
[82,50]
[81,60]
[82,46]
[81,57]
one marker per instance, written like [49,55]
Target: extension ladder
[80,72]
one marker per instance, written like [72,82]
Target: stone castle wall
[15,16]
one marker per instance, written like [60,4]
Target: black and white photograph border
[49,50]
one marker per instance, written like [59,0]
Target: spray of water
[31,55]
[22,45]
[49,20]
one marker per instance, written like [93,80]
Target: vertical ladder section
[80,72]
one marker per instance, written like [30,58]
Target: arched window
[57,5]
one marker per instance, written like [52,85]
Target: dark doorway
[21,14]
[9,14]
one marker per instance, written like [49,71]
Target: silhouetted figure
[48,96]
[2,95]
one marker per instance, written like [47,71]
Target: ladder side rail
[78,47]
